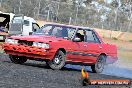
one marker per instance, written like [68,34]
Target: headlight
[12,41]
[42,45]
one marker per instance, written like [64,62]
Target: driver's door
[77,49]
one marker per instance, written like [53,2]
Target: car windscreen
[56,30]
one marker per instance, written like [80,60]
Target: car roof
[73,26]
[29,19]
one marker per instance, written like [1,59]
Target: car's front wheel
[17,59]
[99,65]
[58,61]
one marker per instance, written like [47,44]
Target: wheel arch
[61,63]
[104,54]
[63,50]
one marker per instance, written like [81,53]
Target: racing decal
[82,54]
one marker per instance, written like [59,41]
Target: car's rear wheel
[99,65]
[17,59]
[58,61]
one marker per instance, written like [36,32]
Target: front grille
[23,42]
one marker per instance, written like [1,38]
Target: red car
[59,44]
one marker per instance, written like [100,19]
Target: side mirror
[76,40]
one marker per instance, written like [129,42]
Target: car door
[92,45]
[72,47]
[78,49]
[27,27]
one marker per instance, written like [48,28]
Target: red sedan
[59,44]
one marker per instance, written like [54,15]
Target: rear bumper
[27,51]
[111,59]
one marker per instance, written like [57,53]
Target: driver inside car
[80,36]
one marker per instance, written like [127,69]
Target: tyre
[17,59]
[99,65]
[58,61]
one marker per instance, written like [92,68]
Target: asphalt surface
[33,74]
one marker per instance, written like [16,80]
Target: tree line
[105,14]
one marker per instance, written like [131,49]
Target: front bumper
[27,51]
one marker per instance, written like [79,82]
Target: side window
[26,22]
[81,31]
[35,27]
[91,37]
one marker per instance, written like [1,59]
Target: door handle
[85,45]
[70,49]
[100,47]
